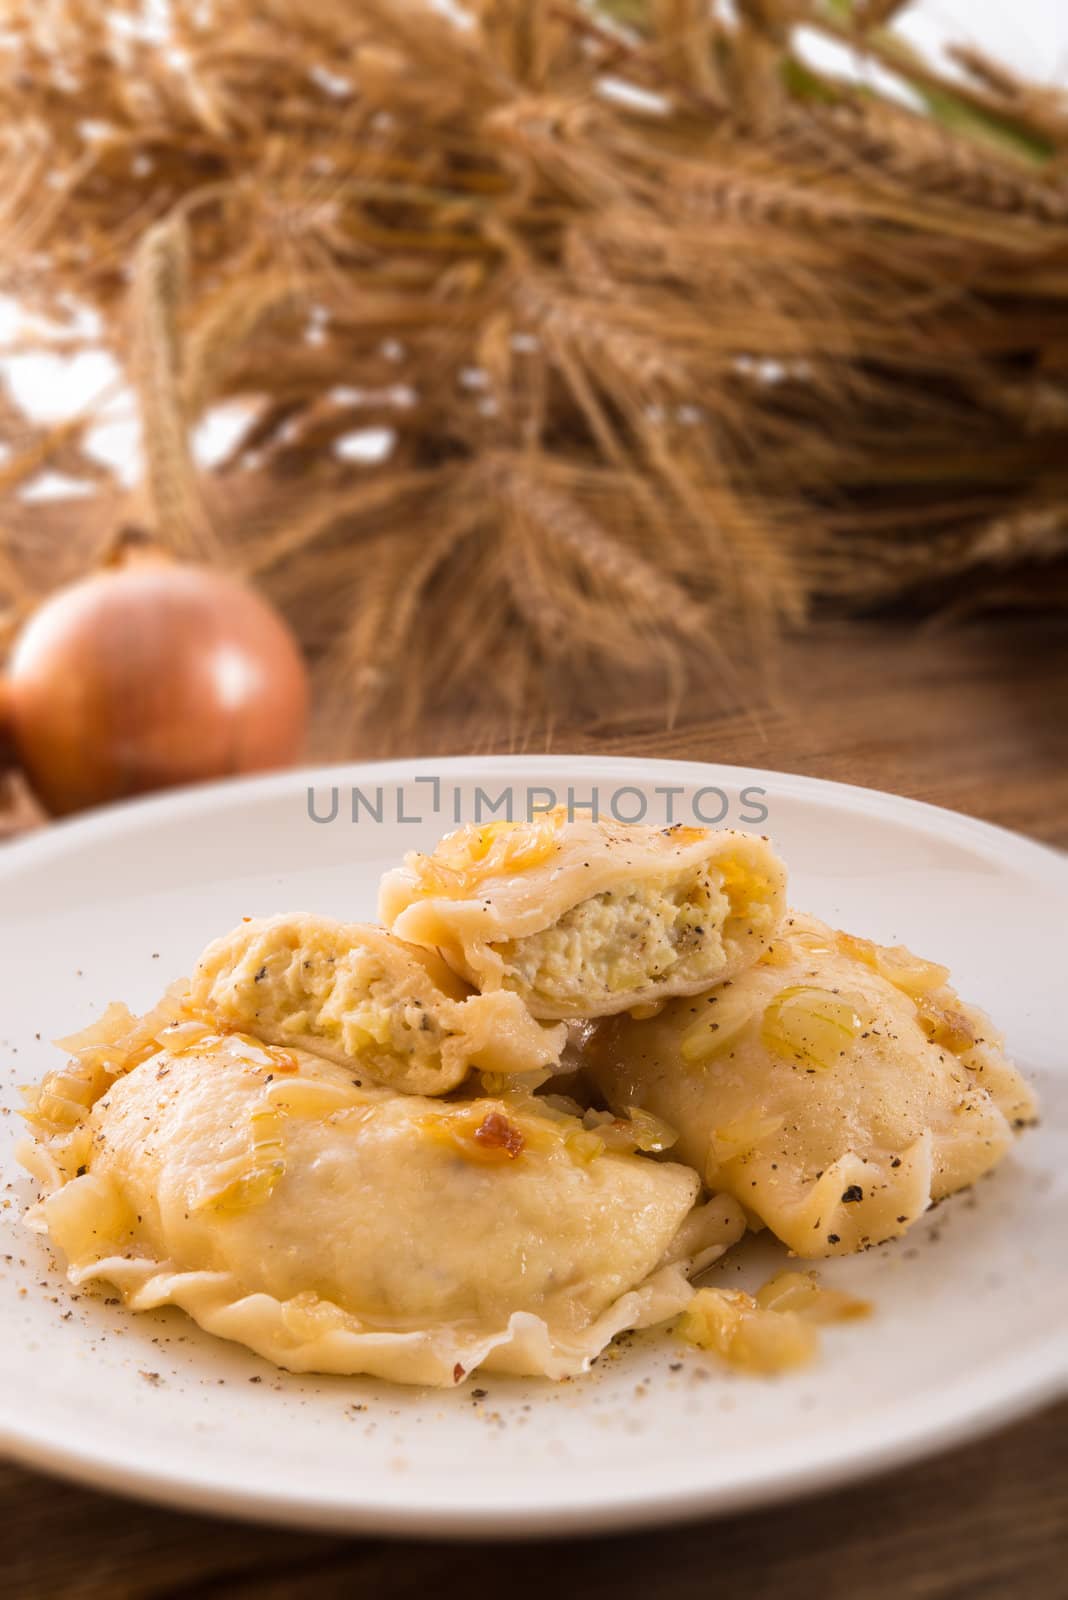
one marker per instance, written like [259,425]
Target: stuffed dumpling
[588,918]
[366,1000]
[835,1089]
[334,1226]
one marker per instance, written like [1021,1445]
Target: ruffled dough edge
[308,1334]
[823,1223]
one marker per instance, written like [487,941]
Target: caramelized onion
[150,674]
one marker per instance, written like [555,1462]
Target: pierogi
[836,1088]
[338,1144]
[583,918]
[335,1226]
[366,1000]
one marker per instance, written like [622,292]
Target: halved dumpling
[347,1229]
[836,1088]
[587,918]
[366,1000]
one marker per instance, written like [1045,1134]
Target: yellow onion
[150,673]
[7,712]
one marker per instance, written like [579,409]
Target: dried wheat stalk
[663,369]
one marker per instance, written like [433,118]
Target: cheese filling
[624,939]
[351,1002]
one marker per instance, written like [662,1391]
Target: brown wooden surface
[976,719]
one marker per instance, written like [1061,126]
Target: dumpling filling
[362,998]
[625,939]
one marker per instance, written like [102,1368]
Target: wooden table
[975,718]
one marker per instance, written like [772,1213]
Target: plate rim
[631,1510]
[1018,1392]
[139,811]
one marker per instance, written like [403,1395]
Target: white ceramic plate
[971,1322]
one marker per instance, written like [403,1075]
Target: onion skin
[7,712]
[149,675]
